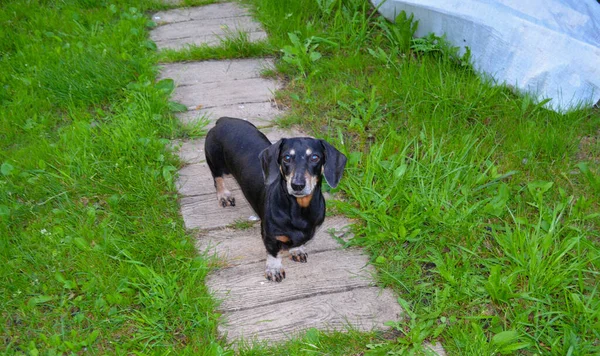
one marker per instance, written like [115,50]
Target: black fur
[236,147]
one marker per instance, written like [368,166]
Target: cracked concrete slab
[214,88]
[204,25]
[260,114]
[190,73]
[208,12]
[360,308]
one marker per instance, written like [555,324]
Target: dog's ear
[269,161]
[335,161]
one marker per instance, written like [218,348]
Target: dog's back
[232,147]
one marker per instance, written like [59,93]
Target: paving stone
[204,25]
[181,43]
[240,83]
[243,91]
[261,114]
[436,348]
[190,73]
[204,212]
[363,308]
[335,271]
[212,11]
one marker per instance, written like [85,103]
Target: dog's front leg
[274,270]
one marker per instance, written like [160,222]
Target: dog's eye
[287,158]
[314,158]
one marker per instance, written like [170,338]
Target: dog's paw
[275,275]
[274,271]
[229,201]
[225,199]
[298,254]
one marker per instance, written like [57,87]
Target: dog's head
[301,162]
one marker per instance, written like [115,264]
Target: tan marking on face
[308,151]
[304,202]
[311,181]
[292,152]
[288,181]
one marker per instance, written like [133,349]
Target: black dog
[281,181]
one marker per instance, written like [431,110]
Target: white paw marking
[274,270]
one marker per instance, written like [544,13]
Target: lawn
[96,256]
[477,205]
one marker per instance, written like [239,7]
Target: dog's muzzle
[301,185]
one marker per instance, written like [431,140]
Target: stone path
[335,288]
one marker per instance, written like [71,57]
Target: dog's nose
[298,186]
[298,182]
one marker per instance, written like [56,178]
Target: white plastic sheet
[549,49]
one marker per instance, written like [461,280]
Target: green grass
[95,254]
[234,45]
[476,204]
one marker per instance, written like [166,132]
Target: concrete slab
[208,12]
[210,40]
[204,212]
[244,286]
[204,25]
[190,73]
[261,114]
[363,308]
[243,91]
[210,84]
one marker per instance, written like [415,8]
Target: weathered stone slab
[225,243]
[363,308]
[202,31]
[335,271]
[436,348]
[204,25]
[190,73]
[209,84]
[211,40]
[243,91]
[212,11]
[260,114]
[204,211]
[196,179]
